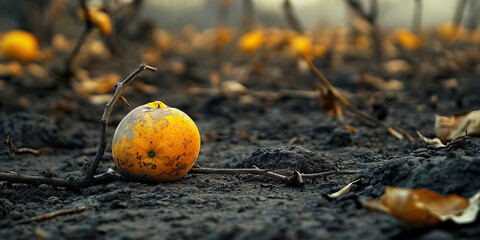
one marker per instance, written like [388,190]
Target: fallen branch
[89,179]
[329,173]
[296,179]
[359,114]
[238,171]
[52,214]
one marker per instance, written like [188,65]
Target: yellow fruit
[302,44]
[408,40]
[19,45]
[155,143]
[451,31]
[251,41]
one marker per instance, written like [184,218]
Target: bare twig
[297,177]
[329,173]
[14,149]
[68,72]
[119,89]
[237,171]
[337,94]
[31,150]
[9,144]
[52,214]
[292,19]
[90,178]
[359,114]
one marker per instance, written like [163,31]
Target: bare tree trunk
[460,9]
[248,21]
[417,17]
[291,17]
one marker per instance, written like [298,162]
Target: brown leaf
[434,142]
[345,189]
[99,18]
[100,85]
[232,88]
[448,128]
[327,101]
[422,207]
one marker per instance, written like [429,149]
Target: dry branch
[296,179]
[52,214]
[90,178]
[359,114]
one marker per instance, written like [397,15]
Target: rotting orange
[19,45]
[408,40]
[251,41]
[155,143]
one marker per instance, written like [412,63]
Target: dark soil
[248,134]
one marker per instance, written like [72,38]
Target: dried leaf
[434,142]
[99,18]
[99,85]
[448,128]
[232,88]
[424,208]
[13,69]
[382,84]
[326,100]
[469,215]
[345,189]
[397,66]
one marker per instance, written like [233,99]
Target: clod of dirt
[29,130]
[294,158]
[340,138]
[37,131]
[438,173]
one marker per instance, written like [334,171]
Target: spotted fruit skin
[155,143]
[19,45]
